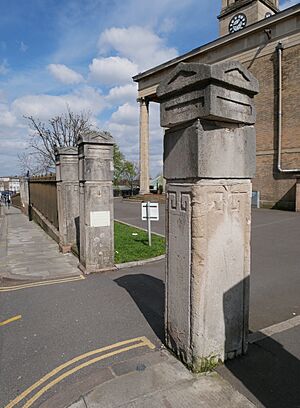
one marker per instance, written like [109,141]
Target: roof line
[225,39]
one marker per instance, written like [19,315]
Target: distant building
[267,42]
[10,184]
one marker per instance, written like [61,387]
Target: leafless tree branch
[60,131]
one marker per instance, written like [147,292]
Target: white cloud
[14,128]
[121,94]
[139,44]
[124,126]
[288,3]
[45,106]
[64,74]
[167,25]
[12,140]
[126,114]
[23,47]
[4,67]
[112,70]
[7,118]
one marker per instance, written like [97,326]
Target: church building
[267,42]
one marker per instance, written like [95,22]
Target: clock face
[237,23]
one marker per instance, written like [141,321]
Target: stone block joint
[209,160]
[96,218]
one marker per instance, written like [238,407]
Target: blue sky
[82,54]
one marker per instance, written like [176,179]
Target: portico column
[144,145]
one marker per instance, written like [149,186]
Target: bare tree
[60,131]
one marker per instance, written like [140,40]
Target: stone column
[144,145]
[209,159]
[67,197]
[96,202]
[24,194]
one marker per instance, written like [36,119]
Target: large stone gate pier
[209,160]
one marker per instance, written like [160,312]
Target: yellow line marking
[148,343]
[12,319]
[41,283]
[143,342]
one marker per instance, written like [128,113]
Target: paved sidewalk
[28,253]
[158,380]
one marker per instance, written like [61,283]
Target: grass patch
[131,247]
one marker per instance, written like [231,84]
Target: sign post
[150,212]
[149,223]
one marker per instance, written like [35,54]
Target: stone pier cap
[66,159]
[222,92]
[97,149]
[96,137]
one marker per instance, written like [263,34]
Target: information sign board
[153,211]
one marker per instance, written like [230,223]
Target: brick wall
[277,189]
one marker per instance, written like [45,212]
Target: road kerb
[274,329]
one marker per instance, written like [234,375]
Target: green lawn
[131,244]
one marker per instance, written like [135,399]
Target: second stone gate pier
[96,202]
[209,160]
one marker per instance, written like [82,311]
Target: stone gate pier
[209,160]
[96,202]
[67,197]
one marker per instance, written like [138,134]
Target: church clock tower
[238,14]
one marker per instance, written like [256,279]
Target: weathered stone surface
[208,266]
[24,194]
[206,150]
[67,164]
[228,74]
[217,92]
[96,202]
[67,197]
[209,158]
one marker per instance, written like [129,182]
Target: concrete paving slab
[207,392]
[163,383]
[29,252]
[79,404]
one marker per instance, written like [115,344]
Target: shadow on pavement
[149,295]
[268,375]
[268,372]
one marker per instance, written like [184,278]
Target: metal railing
[43,197]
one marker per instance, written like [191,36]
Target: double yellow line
[12,319]
[41,283]
[105,352]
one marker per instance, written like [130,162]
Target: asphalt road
[275,264]
[130,212]
[62,321]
